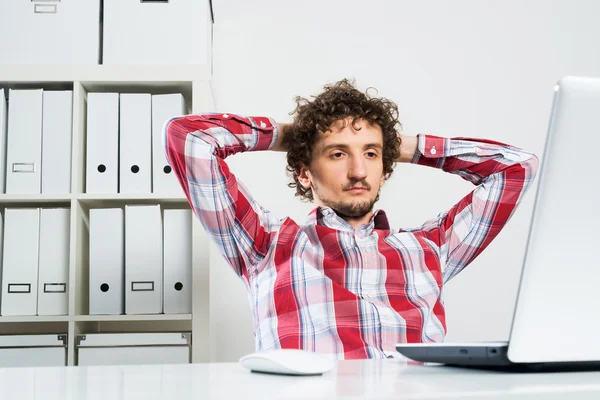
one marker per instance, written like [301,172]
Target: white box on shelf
[102,154]
[53,261]
[24,142]
[57,122]
[20,261]
[164,107]
[3,123]
[33,351]
[166,32]
[135,143]
[177,268]
[133,348]
[143,259]
[44,32]
[107,269]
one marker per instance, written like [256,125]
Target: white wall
[462,67]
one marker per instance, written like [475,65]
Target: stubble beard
[349,208]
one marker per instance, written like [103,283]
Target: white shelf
[160,198]
[35,198]
[144,317]
[34,318]
[106,74]
[84,197]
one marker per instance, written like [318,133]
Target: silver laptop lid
[557,316]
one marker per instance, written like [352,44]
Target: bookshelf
[194,82]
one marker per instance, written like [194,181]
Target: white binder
[50,32]
[106,256]
[20,261]
[177,269]
[24,142]
[3,123]
[53,261]
[102,157]
[57,121]
[1,254]
[143,259]
[135,145]
[164,107]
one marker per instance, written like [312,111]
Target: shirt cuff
[430,149]
[267,131]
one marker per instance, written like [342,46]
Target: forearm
[278,146]
[407,148]
[227,133]
[473,159]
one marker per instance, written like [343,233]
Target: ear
[304,177]
[381,181]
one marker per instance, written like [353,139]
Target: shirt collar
[326,216]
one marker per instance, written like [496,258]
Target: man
[344,282]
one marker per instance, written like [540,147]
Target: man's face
[346,170]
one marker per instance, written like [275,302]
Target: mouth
[357,190]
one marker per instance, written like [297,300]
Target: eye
[337,155]
[371,154]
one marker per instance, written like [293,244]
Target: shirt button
[225,115]
[433,151]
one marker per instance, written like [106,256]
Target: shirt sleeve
[502,174]
[196,147]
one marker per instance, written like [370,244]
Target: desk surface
[367,379]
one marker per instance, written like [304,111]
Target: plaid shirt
[324,286]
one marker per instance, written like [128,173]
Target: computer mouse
[288,362]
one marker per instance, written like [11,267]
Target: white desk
[369,379]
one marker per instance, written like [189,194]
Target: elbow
[171,126]
[173,138]
[522,175]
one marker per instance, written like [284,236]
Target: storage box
[50,31]
[157,32]
[133,348]
[33,351]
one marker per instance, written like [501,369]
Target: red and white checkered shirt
[322,285]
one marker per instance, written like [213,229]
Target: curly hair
[338,101]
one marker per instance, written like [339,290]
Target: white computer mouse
[288,362]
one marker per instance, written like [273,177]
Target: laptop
[556,322]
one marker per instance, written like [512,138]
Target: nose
[357,169]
